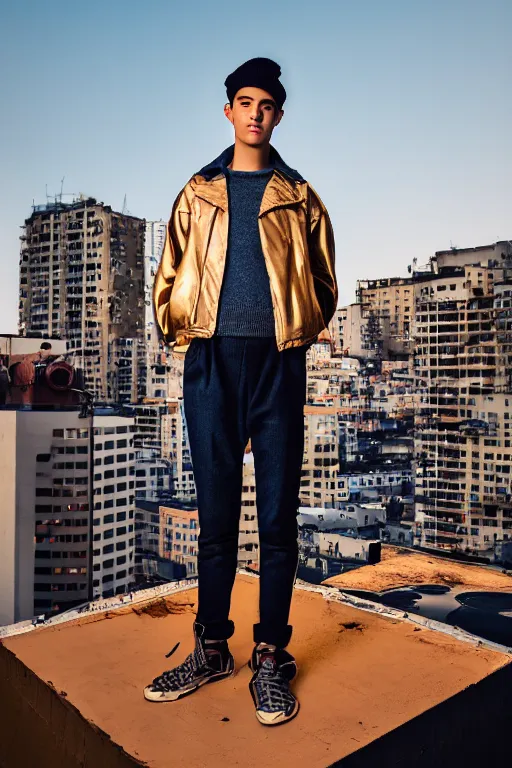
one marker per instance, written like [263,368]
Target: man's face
[254,116]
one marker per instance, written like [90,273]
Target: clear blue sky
[399,113]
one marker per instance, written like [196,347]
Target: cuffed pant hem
[221,630]
[280,638]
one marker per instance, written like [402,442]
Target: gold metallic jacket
[297,242]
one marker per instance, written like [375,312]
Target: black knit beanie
[257,73]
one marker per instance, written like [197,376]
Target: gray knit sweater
[245,303]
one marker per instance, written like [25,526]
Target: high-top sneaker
[207,663]
[270,685]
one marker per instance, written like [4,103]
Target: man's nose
[257,114]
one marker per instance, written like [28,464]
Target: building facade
[388,306]
[463,356]
[82,280]
[114,504]
[57,475]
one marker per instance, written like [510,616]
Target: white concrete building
[114,509]
[369,486]
[349,516]
[46,510]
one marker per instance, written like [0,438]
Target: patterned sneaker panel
[194,667]
[284,660]
[271,688]
[202,663]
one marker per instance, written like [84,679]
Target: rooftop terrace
[400,567]
[374,690]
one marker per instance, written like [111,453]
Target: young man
[245,285]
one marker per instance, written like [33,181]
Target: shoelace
[272,689]
[173,678]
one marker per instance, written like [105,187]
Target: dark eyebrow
[263,101]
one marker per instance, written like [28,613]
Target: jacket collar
[283,188]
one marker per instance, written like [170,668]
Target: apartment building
[389,303]
[114,504]
[152,477]
[178,534]
[171,430]
[153,541]
[82,280]
[320,465]
[153,472]
[336,329]
[169,532]
[463,356]
[147,540]
[46,523]
[148,424]
[175,447]
[362,331]
[375,486]
[347,329]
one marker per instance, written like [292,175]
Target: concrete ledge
[41,729]
[469,729]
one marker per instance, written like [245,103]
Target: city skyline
[406,105]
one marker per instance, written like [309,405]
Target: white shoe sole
[276,718]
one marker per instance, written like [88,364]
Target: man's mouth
[255,128]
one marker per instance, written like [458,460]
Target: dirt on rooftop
[360,676]
[403,567]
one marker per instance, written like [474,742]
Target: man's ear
[227,112]
[279,116]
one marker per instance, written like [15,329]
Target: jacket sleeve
[175,241]
[322,256]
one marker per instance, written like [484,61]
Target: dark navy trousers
[236,388]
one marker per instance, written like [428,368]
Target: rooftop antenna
[452,246]
[61,187]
